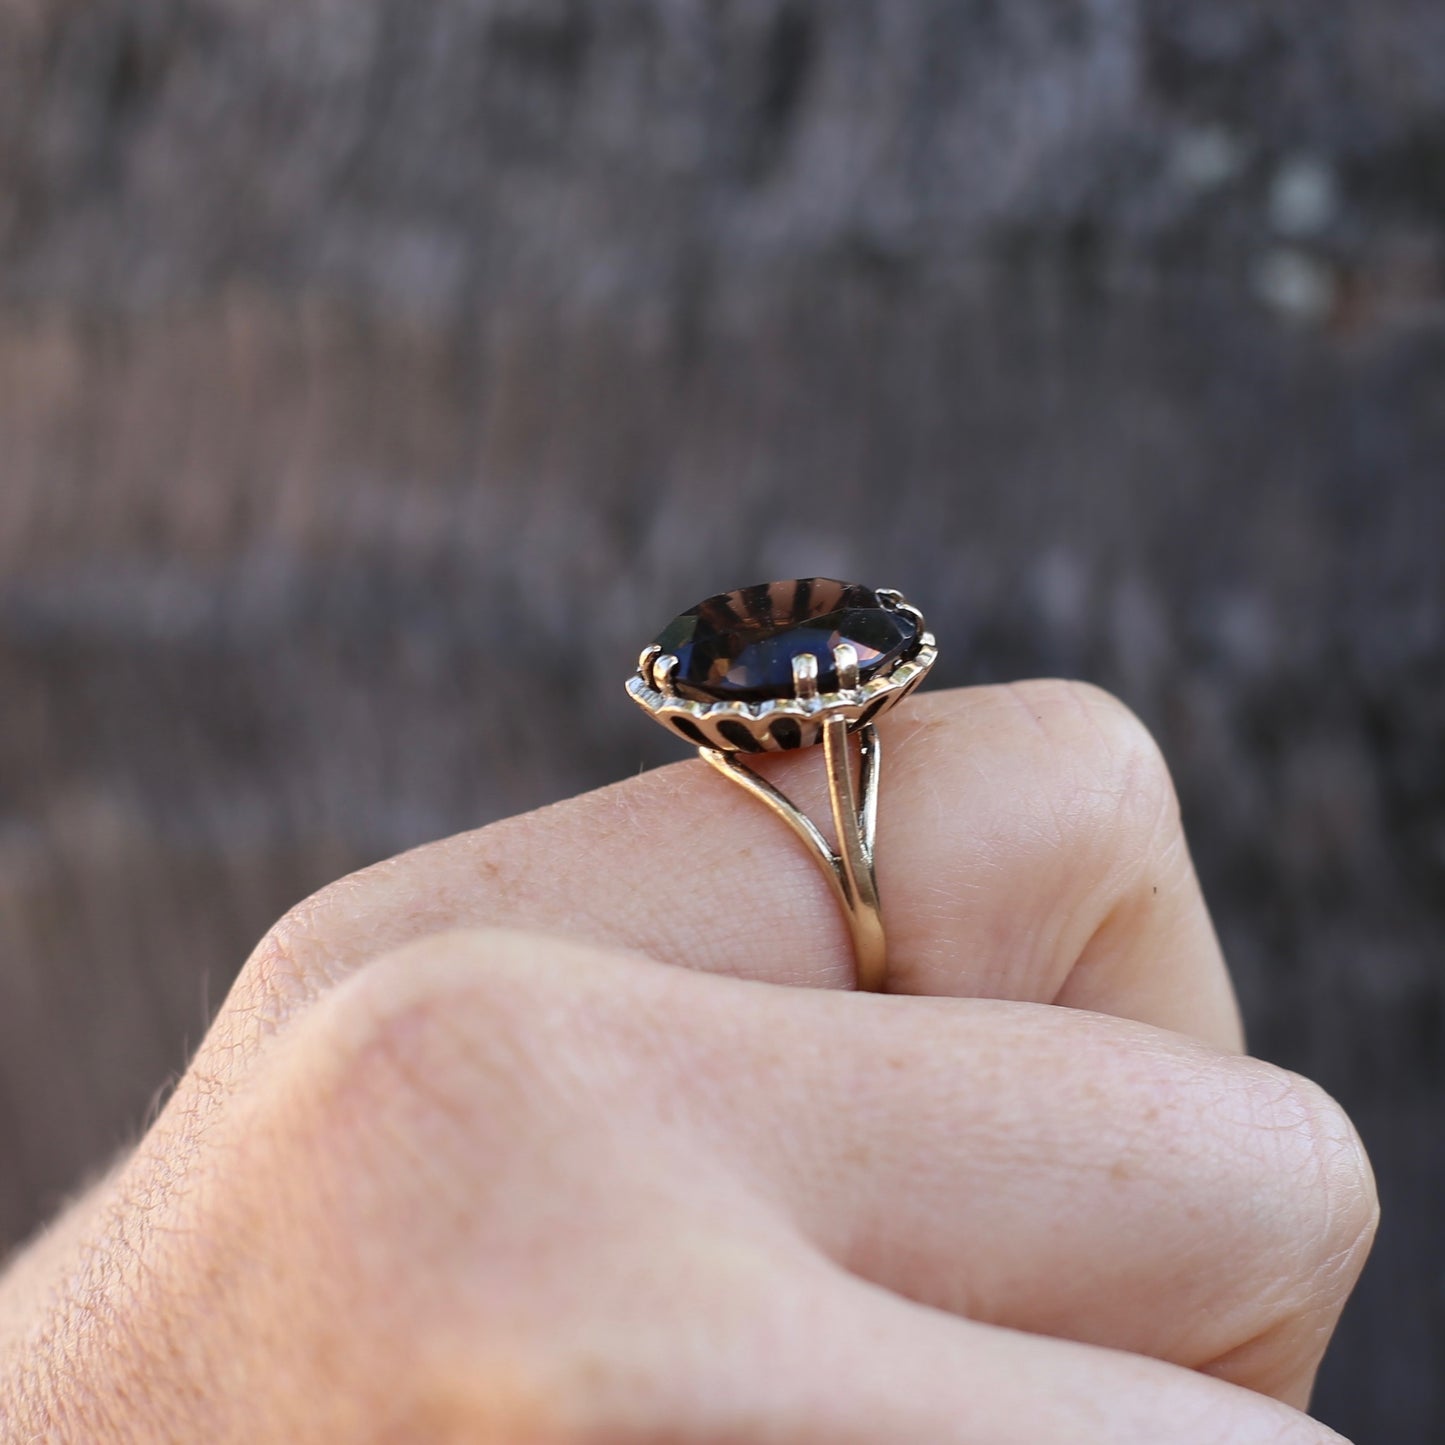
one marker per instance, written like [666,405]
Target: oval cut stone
[739,646]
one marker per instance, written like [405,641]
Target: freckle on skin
[1120,1172]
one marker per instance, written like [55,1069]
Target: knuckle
[420,1063]
[1269,1424]
[1347,1205]
[460,1006]
[1201,1410]
[1207,1419]
[1315,1192]
[455,1100]
[1116,788]
[295,959]
[1247,1420]
[487,1032]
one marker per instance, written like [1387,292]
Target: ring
[785,665]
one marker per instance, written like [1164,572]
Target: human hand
[432,1177]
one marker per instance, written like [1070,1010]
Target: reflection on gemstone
[739,646]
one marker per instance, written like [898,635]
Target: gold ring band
[786,665]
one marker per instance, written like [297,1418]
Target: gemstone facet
[739,646]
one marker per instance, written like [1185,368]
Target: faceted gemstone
[739,646]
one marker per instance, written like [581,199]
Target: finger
[1036,1168]
[1029,847]
[790,1355]
[879,1368]
[1044,1169]
[1053,1171]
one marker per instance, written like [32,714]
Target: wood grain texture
[346,349]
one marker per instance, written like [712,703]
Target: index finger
[1029,848]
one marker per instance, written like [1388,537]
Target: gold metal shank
[855,822]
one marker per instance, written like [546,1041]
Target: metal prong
[662,671]
[805,677]
[845,659]
[648,656]
[889,596]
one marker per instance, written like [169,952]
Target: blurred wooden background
[347,349]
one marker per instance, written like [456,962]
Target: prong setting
[648,656]
[845,659]
[805,677]
[662,670]
[893,599]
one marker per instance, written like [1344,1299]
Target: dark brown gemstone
[739,646]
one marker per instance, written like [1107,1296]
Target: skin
[571,1131]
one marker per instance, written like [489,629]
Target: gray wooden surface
[347,350]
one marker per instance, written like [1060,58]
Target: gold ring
[785,665]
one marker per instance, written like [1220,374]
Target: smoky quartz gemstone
[739,646]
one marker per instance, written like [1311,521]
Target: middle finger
[1036,1167]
